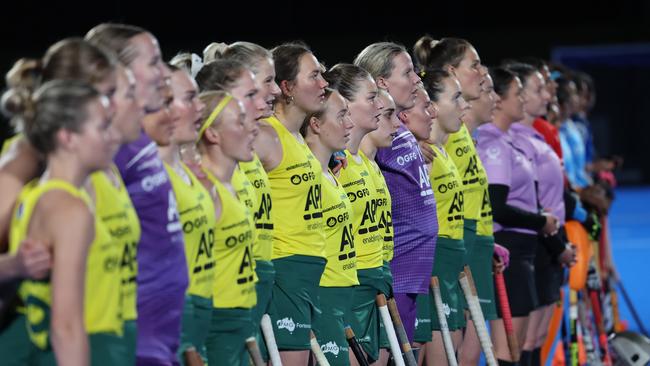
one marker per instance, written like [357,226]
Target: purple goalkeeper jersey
[162,270]
[414,216]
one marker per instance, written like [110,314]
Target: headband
[215,113]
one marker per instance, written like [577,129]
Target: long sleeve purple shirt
[505,163]
[550,180]
[162,270]
[413,212]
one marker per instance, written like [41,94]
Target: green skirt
[329,326]
[197,312]
[226,341]
[295,300]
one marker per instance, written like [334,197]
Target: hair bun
[214,51]
[25,73]
[16,102]
[21,80]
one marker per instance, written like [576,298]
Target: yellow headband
[215,113]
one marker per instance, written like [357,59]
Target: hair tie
[196,64]
[215,113]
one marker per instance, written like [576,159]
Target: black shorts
[549,275]
[520,274]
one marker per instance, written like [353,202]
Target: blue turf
[630,237]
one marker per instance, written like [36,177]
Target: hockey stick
[254,351]
[355,347]
[269,338]
[192,357]
[442,319]
[467,284]
[390,331]
[401,333]
[504,304]
[315,348]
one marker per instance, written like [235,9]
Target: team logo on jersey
[330,347]
[286,323]
[493,152]
[446,309]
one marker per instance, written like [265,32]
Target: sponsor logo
[442,188]
[304,177]
[423,321]
[151,182]
[286,323]
[460,151]
[330,347]
[445,309]
[331,221]
[190,225]
[244,237]
[259,183]
[403,159]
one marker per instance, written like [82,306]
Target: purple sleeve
[496,161]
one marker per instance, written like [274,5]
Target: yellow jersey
[114,208]
[384,209]
[37,294]
[296,191]
[341,267]
[462,150]
[234,283]
[196,210]
[263,247]
[360,188]
[448,190]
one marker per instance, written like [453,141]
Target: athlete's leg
[534,321]
[499,339]
[422,351]
[469,352]
[384,356]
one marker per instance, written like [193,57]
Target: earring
[290,99]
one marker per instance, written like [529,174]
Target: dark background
[610,40]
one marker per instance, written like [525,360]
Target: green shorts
[17,349]
[388,280]
[450,254]
[365,315]
[329,326]
[106,349]
[197,312]
[264,287]
[480,262]
[295,300]
[423,318]
[226,341]
[129,338]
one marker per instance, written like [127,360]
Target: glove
[502,254]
